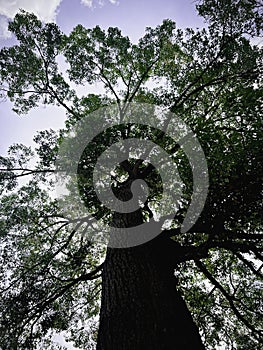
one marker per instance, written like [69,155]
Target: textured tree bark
[140,307]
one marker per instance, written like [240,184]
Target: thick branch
[248,264]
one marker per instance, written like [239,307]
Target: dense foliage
[212,79]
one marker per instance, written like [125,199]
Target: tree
[152,295]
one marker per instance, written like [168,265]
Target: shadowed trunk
[140,307]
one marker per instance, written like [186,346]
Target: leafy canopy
[211,78]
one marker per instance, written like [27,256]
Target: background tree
[51,275]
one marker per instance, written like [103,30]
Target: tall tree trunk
[140,307]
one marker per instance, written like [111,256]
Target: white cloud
[90,3]
[46,10]
[4,32]
[87,3]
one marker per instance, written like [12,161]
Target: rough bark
[140,307]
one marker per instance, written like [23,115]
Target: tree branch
[229,298]
[248,264]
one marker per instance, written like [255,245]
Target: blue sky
[130,16]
